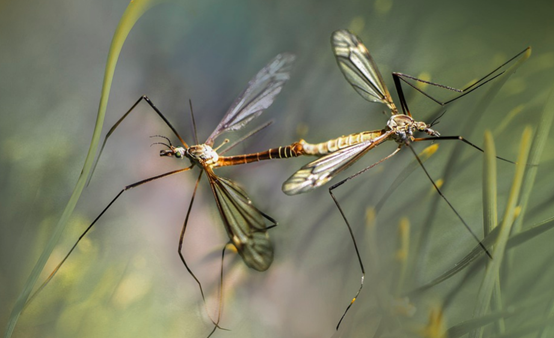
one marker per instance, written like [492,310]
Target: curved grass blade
[531,233]
[490,215]
[520,237]
[463,328]
[527,328]
[133,12]
[492,271]
[514,241]
[537,148]
[422,241]
[402,253]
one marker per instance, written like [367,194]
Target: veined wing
[322,170]
[258,96]
[360,70]
[244,223]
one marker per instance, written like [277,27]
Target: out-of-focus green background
[126,280]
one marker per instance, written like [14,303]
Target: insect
[244,223]
[338,154]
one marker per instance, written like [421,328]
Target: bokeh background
[126,280]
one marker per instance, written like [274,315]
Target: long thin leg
[193,123]
[460,138]
[351,232]
[448,202]
[269,218]
[180,247]
[357,254]
[112,129]
[409,169]
[220,307]
[399,180]
[399,76]
[365,169]
[131,186]
[489,77]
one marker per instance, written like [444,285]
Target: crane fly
[244,223]
[338,154]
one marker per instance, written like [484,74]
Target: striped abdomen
[333,145]
[293,150]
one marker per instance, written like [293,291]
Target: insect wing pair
[362,73]
[338,154]
[243,222]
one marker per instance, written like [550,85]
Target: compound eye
[180,152]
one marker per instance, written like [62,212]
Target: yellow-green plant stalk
[134,11]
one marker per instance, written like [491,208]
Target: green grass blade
[133,12]
[539,142]
[477,252]
[493,268]
[503,125]
[543,130]
[532,232]
[467,326]
[422,242]
[401,257]
[490,215]
[527,328]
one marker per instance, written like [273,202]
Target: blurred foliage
[126,280]
[129,18]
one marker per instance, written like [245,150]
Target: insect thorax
[202,153]
[404,127]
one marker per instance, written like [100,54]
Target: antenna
[193,123]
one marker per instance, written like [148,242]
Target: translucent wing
[360,70]
[257,97]
[244,223]
[322,170]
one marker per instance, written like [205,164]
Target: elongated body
[244,223]
[362,73]
[338,154]
[293,150]
[324,148]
